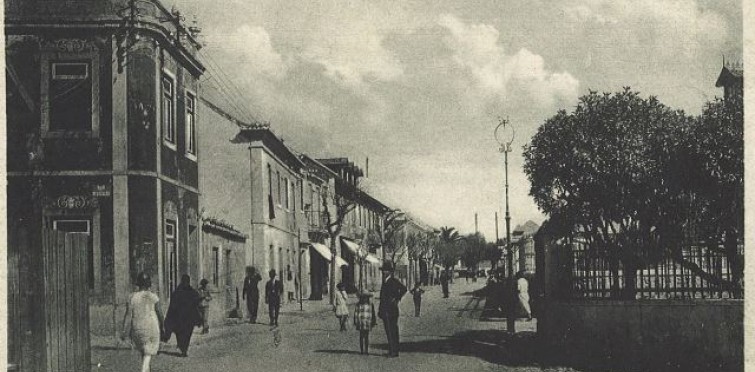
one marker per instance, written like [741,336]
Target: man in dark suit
[390,294]
[273,294]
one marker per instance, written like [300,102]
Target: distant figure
[273,294]
[204,304]
[183,314]
[417,295]
[364,321]
[390,294]
[251,292]
[290,285]
[143,320]
[444,283]
[341,308]
[524,296]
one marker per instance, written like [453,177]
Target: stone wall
[647,335]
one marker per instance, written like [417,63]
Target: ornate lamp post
[504,135]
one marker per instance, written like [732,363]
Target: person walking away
[143,320]
[364,321]
[417,292]
[183,314]
[251,292]
[273,294]
[204,305]
[444,283]
[524,296]
[391,293]
[341,308]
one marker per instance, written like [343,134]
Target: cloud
[476,48]
[252,48]
[668,25]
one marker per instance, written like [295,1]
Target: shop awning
[352,246]
[360,252]
[325,253]
[371,258]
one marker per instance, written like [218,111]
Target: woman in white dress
[341,308]
[143,320]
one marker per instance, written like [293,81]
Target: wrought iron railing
[706,274]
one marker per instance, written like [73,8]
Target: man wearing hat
[390,294]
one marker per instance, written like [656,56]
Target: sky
[418,87]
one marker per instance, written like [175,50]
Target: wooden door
[66,300]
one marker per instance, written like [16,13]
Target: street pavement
[449,335]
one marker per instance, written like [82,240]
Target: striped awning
[325,253]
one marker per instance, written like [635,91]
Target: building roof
[336,164]
[221,226]
[319,169]
[262,133]
[729,75]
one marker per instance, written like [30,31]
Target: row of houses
[117,164]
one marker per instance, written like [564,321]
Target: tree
[343,203]
[604,168]
[712,180]
[492,254]
[394,235]
[447,249]
[473,250]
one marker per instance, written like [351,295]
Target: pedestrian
[290,286]
[417,292]
[143,320]
[341,308]
[444,283]
[391,293]
[204,304]
[251,292]
[183,314]
[273,294]
[364,321]
[524,296]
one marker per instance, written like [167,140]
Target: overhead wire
[225,93]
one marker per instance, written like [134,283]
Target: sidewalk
[289,313]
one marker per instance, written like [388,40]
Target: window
[285,193]
[279,187]
[228,268]
[167,108]
[215,265]
[301,194]
[191,115]
[172,255]
[69,96]
[75,226]
[269,181]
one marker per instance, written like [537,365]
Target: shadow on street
[494,346]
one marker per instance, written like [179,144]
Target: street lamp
[504,135]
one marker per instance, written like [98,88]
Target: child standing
[417,294]
[364,320]
[341,308]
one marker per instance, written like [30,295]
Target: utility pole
[475,224]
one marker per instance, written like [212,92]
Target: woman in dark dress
[183,314]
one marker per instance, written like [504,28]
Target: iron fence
[593,275]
